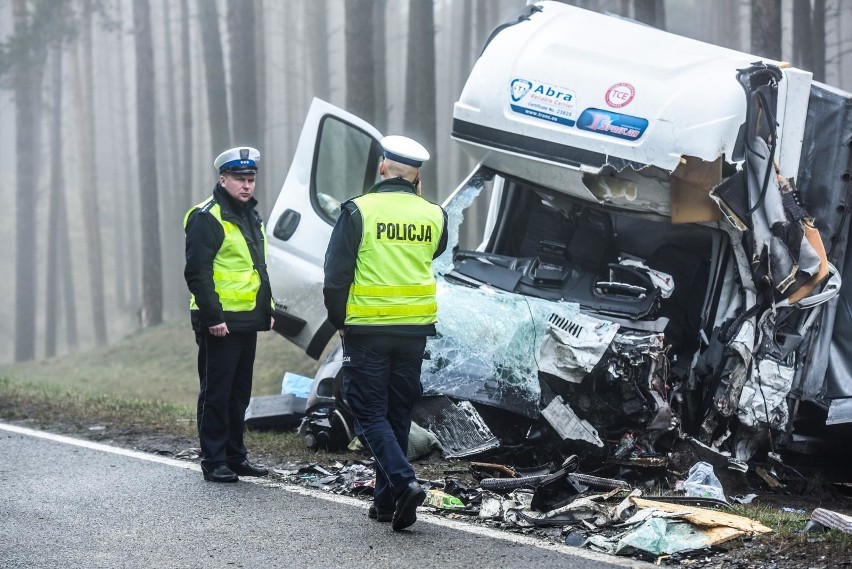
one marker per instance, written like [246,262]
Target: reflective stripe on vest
[393,281]
[234,277]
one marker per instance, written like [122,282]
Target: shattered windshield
[487,346]
[455,215]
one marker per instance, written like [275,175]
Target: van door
[336,159]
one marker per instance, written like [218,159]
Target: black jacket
[204,237]
[340,261]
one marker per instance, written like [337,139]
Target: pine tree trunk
[802,39]
[360,85]
[129,222]
[318,34]
[766,28]
[57,189]
[82,79]
[214,73]
[152,285]
[243,87]
[260,93]
[420,89]
[645,11]
[380,78]
[187,147]
[819,40]
[27,81]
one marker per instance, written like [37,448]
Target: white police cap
[404,150]
[239,159]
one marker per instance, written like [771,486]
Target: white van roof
[585,90]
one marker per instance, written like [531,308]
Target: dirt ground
[788,548]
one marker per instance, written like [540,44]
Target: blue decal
[612,124]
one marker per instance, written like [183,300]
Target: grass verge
[157,426]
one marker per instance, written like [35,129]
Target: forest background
[114,109]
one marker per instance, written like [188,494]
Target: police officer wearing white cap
[380,294]
[231,301]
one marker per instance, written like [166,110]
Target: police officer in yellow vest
[231,301]
[379,291]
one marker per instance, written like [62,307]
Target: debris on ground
[832,520]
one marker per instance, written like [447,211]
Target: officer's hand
[271,322]
[219,330]
[340,332]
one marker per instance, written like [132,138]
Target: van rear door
[336,159]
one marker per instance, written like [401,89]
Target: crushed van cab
[661,261]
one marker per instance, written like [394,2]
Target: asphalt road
[70,503]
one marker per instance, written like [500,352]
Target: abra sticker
[612,124]
[619,95]
[543,101]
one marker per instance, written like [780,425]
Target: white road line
[350,501]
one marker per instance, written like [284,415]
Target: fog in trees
[116,108]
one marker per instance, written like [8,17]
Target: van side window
[346,166]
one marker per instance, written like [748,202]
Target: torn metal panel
[275,411]
[570,427]
[824,183]
[839,412]
[573,347]
[765,400]
[628,390]
[459,428]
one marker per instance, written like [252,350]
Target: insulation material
[690,186]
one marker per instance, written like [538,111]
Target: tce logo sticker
[619,95]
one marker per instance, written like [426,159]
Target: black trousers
[381,384]
[225,366]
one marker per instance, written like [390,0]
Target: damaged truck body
[661,260]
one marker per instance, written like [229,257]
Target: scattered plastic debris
[443,501]
[702,483]
[833,520]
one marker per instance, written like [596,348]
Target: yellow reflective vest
[235,279]
[393,281]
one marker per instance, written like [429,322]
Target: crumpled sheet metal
[516,510]
[568,425]
[458,427]
[783,265]
[765,401]
[573,347]
[578,510]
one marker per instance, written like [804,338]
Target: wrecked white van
[661,259]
